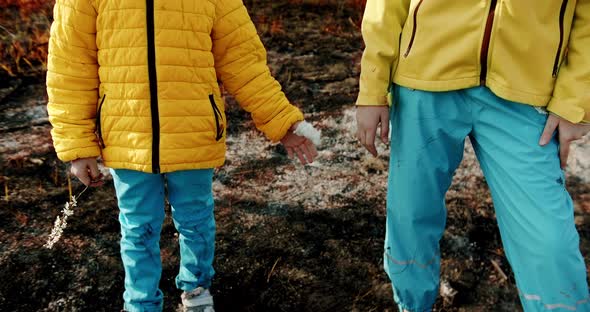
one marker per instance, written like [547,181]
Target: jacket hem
[436,85]
[517,96]
[464,83]
[166,168]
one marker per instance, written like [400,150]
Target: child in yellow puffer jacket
[136,82]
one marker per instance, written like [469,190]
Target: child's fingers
[82,175]
[312,148]
[361,136]
[94,172]
[97,181]
[370,143]
[290,152]
[308,153]
[550,127]
[385,127]
[564,151]
[300,153]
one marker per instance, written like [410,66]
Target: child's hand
[368,119]
[86,170]
[300,146]
[567,132]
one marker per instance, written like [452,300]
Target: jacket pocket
[414,29]
[98,122]
[558,57]
[219,128]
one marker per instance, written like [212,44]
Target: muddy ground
[290,238]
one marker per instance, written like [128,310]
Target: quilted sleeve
[72,80]
[240,62]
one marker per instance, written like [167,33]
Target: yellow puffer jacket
[528,51]
[140,79]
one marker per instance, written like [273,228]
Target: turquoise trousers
[534,211]
[141,199]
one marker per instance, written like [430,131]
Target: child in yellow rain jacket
[514,77]
[136,82]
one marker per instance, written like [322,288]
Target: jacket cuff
[567,109]
[278,131]
[84,152]
[372,100]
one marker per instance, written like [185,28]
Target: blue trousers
[534,211]
[141,199]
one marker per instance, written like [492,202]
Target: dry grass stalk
[272,270]
[62,221]
[5,179]
[499,270]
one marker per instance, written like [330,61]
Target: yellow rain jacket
[528,51]
[138,80]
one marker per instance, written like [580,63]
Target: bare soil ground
[290,238]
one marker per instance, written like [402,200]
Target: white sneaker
[197,300]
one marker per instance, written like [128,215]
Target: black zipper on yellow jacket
[485,47]
[98,122]
[218,118]
[561,38]
[153,78]
[414,29]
